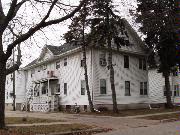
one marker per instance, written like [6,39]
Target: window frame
[65,88]
[129,90]
[176,90]
[57,64]
[102,59]
[126,61]
[65,61]
[83,90]
[103,92]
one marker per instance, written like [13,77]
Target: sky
[53,35]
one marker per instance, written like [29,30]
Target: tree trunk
[110,65]
[2,93]
[86,80]
[168,91]
[91,107]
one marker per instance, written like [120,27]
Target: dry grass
[34,130]
[133,112]
[27,120]
[164,116]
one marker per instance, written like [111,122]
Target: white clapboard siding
[156,86]
[133,74]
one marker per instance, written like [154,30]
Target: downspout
[92,76]
[172,88]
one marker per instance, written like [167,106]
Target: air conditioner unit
[103,62]
[50,73]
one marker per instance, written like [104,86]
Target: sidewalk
[38,124]
[155,114]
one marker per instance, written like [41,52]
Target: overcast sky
[53,34]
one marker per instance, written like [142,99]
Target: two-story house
[56,78]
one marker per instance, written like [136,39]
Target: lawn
[27,120]
[133,112]
[34,130]
[175,116]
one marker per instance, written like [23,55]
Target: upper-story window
[57,64]
[32,72]
[65,61]
[126,61]
[39,69]
[44,67]
[82,63]
[142,64]
[102,59]
[103,86]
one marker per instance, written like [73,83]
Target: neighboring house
[157,92]
[20,92]
[56,78]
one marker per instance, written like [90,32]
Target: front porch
[45,95]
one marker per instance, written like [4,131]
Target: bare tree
[12,18]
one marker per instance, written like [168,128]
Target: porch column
[33,91]
[48,87]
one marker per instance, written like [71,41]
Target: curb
[169,120]
[79,132]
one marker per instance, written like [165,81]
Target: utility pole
[14,81]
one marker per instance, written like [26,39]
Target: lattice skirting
[39,107]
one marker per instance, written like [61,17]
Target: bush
[103,109]
[24,119]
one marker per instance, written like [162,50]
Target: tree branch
[40,25]
[1,10]
[17,64]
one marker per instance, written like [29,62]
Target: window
[65,88]
[142,64]
[102,86]
[39,69]
[82,63]
[32,72]
[83,87]
[127,88]
[126,61]
[44,88]
[7,95]
[175,73]
[176,90]
[57,88]
[165,93]
[44,67]
[65,61]
[57,64]
[143,88]
[102,59]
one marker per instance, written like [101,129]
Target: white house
[157,87]
[56,78]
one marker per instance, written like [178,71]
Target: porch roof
[45,80]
